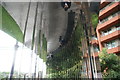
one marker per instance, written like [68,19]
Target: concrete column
[99,40]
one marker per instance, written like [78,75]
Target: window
[113,29]
[110,30]
[94,38]
[108,45]
[112,44]
[106,33]
[118,28]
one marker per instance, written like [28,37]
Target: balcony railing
[112,44]
[106,6]
[110,17]
[111,31]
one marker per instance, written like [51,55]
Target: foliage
[69,73]
[4,75]
[66,62]
[94,19]
[110,64]
[10,26]
[43,52]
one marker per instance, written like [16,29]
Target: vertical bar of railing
[33,36]
[13,63]
[24,76]
[94,63]
[24,34]
[35,22]
[38,76]
[26,22]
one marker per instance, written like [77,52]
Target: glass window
[113,29]
[106,33]
[118,28]
[102,33]
[109,46]
[109,17]
[114,15]
[113,44]
[117,42]
[109,31]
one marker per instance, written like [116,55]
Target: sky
[23,56]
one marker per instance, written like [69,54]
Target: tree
[110,64]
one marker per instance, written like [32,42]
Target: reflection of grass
[42,51]
[65,61]
[10,26]
[44,48]
[44,55]
[69,73]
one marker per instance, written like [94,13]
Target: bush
[110,64]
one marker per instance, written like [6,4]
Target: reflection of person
[62,41]
[66,4]
[60,38]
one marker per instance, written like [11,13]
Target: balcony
[103,3]
[108,22]
[113,46]
[111,36]
[109,31]
[94,41]
[114,50]
[109,9]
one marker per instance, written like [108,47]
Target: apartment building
[108,29]
[107,33]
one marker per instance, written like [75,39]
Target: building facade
[107,33]
[108,29]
